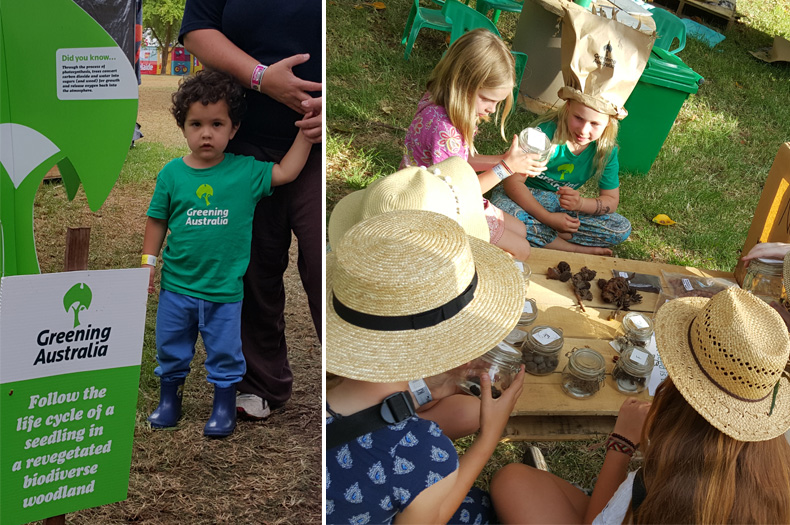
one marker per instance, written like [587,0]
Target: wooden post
[77,244]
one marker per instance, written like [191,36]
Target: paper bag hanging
[602,60]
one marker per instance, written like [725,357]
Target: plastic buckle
[397,407]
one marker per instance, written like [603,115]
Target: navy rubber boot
[168,412]
[223,417]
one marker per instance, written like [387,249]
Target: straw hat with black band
[727,355]
[450,187]
[411,295]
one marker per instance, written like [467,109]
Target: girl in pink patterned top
[467,85]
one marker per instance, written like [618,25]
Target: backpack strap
[394,409]
[638,491]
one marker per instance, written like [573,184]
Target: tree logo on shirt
[565,169]
[77,299]
[204,192]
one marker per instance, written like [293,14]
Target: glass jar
[638,328]
[541,350]
[764,279]
[528,314]
[526,272]
[502,363]
[516,337]
[632,369]
[533,140]
[584,374]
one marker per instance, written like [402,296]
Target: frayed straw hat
[387,281]
[726,355]
[450,187]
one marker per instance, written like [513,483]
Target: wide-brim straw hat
[726,355]
[450,187]
[400,267]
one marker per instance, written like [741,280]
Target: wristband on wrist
[421,392]
[620,444]
[504,165]
[501,172]
[149,260]
[257,77]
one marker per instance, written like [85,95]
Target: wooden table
[546,413]
[712,8]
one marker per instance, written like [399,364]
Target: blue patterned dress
[375,476]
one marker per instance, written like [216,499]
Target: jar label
[546,336]
[637,356]
[527,308]
[687,285]
[639,321]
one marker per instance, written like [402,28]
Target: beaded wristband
[257,77]
[624,439]
[500,172]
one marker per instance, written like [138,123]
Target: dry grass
[266,472]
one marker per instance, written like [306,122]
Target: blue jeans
[179,319]
[594,230]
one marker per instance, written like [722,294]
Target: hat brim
[389,356]
[345,215]
[598,104]
[741,420]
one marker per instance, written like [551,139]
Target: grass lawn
[707,177]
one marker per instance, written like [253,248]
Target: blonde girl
[550,206]
[474,80]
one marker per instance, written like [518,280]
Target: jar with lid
[638,329]
[528,314]
[541,350]
[764,279]
[584,374]
[632,369]
[533,140]
[501,363]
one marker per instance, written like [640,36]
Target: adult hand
[282,85]
[768,250]
[631,419]
[521,162]
[562,222]
[310,124]
[494,413]
[570,199]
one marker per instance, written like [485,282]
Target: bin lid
[667,70]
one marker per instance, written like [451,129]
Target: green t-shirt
[209,214]
[572,170]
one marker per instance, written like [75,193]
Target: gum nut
[475,390]
[528,357]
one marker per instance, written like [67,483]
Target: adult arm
[155,231]
[606,202]
[216,51]
[521,195]
[615,465]
[768,250]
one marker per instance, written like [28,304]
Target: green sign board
[68,97]
[70,352]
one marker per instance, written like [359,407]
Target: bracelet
[257,77]
[620,444]
[504,165]
[421,392]
[149,260]
[500,171]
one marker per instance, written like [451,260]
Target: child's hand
[570,199]
[562,222]
[308,129]
[150,277]
[494,413]
[521,162]
[631,419]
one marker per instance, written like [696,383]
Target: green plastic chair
[484,6]
[669,27]
[420,17]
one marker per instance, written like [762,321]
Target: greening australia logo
[206,215]
[80,342]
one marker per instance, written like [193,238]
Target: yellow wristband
[149,259]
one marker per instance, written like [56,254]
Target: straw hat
[450,187]
[390,272]
[726,356]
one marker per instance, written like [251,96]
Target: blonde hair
[693,473]
[603,146]
[477,60]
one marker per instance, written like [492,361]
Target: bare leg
[457,415]
[514,239]
[561,244]
[522,494]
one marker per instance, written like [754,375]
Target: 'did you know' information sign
[70,351]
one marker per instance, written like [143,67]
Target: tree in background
[163,18]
